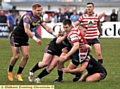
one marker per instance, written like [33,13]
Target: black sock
[20,70]
[100,61]
[43,73]
[36,67]
[10,68]
[60,74]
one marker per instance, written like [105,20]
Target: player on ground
[95,71]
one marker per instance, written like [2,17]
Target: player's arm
[27,30]
[60,39]
[75,23]
[74,48]
[77,70]
[48,29]
[30,34]
[99,28]
[61,36]
[101,15]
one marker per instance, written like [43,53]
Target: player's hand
[61,32]
[64,50]
[39,42]
[100,35]
[64,57]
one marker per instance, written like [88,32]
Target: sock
[60,74]
[10,68]
[100,61]
[36,67]
[43,73]
[20,70]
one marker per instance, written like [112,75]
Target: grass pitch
[110,51]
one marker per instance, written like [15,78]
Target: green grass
[111,54]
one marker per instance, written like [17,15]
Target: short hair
[90,3]
[82,25]
[67,22]
[36,5]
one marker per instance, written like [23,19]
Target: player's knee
[26,56]
[16,57]
[49,69]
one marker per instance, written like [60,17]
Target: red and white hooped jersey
[76,36]
[90,21]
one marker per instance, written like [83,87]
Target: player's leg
[94,77]
[23,61]
[98,52]
[84,76]
[60,65]
[61,61]
[45,62]
[14,58]
[47,70]
[75,61]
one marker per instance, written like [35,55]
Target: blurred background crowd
[56,11]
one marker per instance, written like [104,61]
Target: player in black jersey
[95,71]
[50,59]
[20,36]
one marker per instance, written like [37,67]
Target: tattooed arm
[30,34]
[27,30]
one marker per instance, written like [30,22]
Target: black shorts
[17,43]
[103,73]
[93,41]
[75,58]
[53,51]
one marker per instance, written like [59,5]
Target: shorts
[17,44]
[75,58]
[52,51]
[93,41]
[103,74]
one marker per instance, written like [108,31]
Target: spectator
[53,18]
[10,21]
[56,18]
[74,17]
[3,18]
[113,16]
[18,19]
[59,13]
[45,17]
[63,16]
[67,12]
